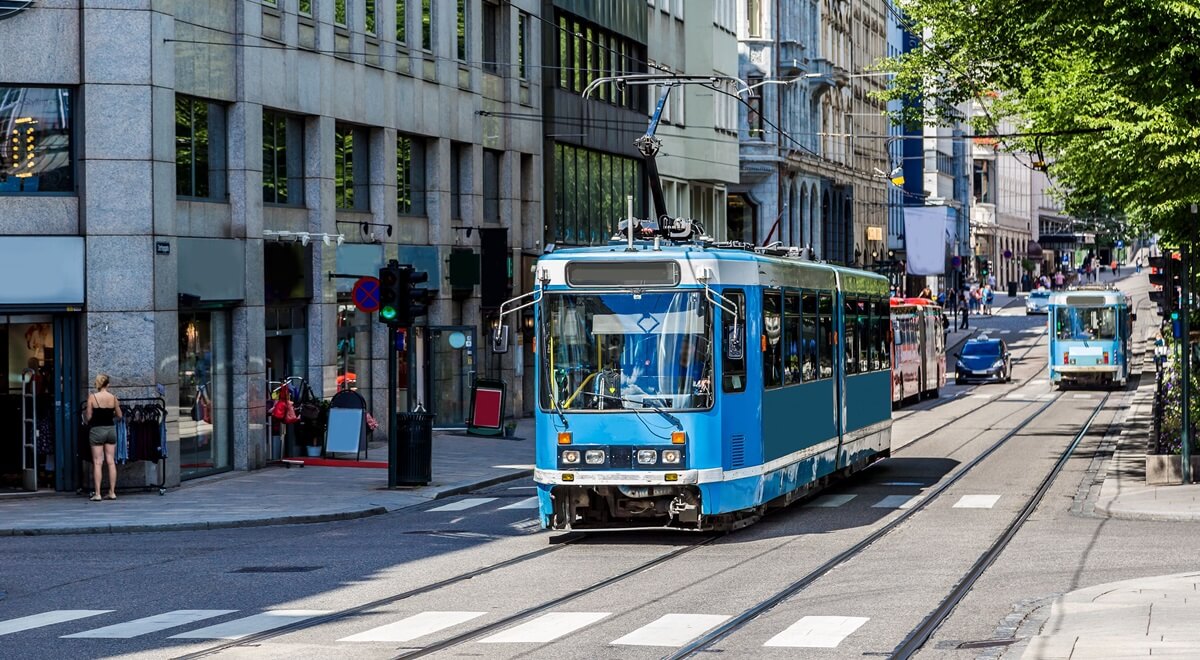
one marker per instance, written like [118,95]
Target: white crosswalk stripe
[149,624]
[250,625]
[528,503]
[415,626]
[976,502]
[981,396]
[463,505]
[896,502]
[672,630]
[1081,396]
[830,501]
[824,632]
[45,619]
[546,628]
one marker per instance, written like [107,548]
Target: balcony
[792,60]
[825,73]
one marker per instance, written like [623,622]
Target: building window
[493,39]
[410,175]
[461,50]
[35,148]
[754,18]
[492,161]
[270,3]
[372,16]
[401,21]
[205,392]
[456,178]
[522,45]
[587,52]
[427,24]
[305,7]
[199,148]
[741,219]
[351,173]
[590,192]
[283,159]
[339,13]
[983,185]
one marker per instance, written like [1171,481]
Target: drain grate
[277,569]
[986,643]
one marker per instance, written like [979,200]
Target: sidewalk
[278,496]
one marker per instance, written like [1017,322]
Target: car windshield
[1039,294]
[625,350]
[981,348]
[1086,323]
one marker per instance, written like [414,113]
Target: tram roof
[730,266]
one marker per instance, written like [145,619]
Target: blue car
[983,360]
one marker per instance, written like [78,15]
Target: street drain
[986,643]
[277,569]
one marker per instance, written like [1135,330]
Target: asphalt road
[127,596]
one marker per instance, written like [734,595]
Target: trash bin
[1012,289]
[413,458]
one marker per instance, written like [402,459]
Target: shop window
[283,159]
[35,149]
[492,161]
[199,148]
[205,388]
[772,338]
[353,347]
[351,168]
[410,175]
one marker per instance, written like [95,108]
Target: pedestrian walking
[103,408]
[945,329]
[987,300]
[964,309]
[1138,266]
[926,293]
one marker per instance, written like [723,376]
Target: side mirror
[500,339]
[735,346]
[1133,316]
[957,355]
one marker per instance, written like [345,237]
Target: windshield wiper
[666,415]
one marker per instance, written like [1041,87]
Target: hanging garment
[122,441]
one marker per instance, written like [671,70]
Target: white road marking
[981,396]
[1040,381]
[1081,396]
[415,626]
[672,630]
[896,502]
[1047,396]
[830,501]
[546,628]
[250,625]
[149,624]
[462,505]
[903,483]
[528,503]
[976,502]
[45,619]
[824,632]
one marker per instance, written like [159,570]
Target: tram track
[945,608]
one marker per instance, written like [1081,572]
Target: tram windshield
[627,351]
[1086,323]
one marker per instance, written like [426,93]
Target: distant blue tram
[690,386]
[1090,331]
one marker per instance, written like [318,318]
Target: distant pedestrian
[1138,266]
[964,308]
[1058,279]
[987,300]
[927,294]
[103,408]
[945,329]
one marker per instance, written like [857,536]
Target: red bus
[918,350]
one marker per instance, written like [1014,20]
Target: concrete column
[322,311]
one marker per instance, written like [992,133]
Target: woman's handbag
[310,410]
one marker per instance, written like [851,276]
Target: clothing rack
[139,405]
[276,394]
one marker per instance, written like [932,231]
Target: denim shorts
[102,435]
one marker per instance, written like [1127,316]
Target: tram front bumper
[626,477]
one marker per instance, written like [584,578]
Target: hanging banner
[925,238]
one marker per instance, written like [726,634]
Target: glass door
[450,369]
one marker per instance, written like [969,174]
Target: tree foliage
[1113,85]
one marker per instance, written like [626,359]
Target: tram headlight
[670,456]
[570,456]
[647,456]
[594,456]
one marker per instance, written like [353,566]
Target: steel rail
[550,604]
[921,634]
[724,630]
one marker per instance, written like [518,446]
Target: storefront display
[205,384]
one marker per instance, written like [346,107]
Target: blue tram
[1090,334]
[691,385]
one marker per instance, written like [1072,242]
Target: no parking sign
[366,294]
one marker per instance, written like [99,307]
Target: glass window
[410,175]
[351,173]
[35,147]
[493,39]
[456,175]
[354,348]
[371,16]
[982,348]
[809,347]
[283,158]
[740,219]
[462,30]
[772,336]
[733,372]
[754,18]
[615,351]
[564,54]
[792,339]
[199,148]
[522,44]
[305,7]
[339,12]
[205,388]
[827,339]
[1085,323]
[577,61]
[883,316]
[850,337]
[492,161]
[427,24]
[401,21]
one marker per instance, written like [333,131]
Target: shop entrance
[449,373]
[39,404]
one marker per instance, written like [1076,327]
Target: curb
[468,486]
[1142,516]
[193,526]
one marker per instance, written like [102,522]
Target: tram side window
[883,316]
[772,338]
[809,333]
[827,337]
[733,372]
[873,329]
[792,339]
[850,338]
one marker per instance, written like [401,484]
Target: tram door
[448,372]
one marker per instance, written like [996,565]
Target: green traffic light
[387,313]
[1174,316]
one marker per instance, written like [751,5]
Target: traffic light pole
[393,444]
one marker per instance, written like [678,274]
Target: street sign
[1120,244]
[366,294]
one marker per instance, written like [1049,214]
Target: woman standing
[102,409]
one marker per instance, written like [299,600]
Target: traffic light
[418,298]
[985,267]
[1166,272]
[391,292]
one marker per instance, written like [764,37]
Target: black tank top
[102,416]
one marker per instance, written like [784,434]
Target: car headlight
[998,364]
[960,366]
[593,456]
[647,456]
[670,456]
[570,456]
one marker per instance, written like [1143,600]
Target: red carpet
[333,462]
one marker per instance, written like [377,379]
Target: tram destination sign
[13,7]
[623,273]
